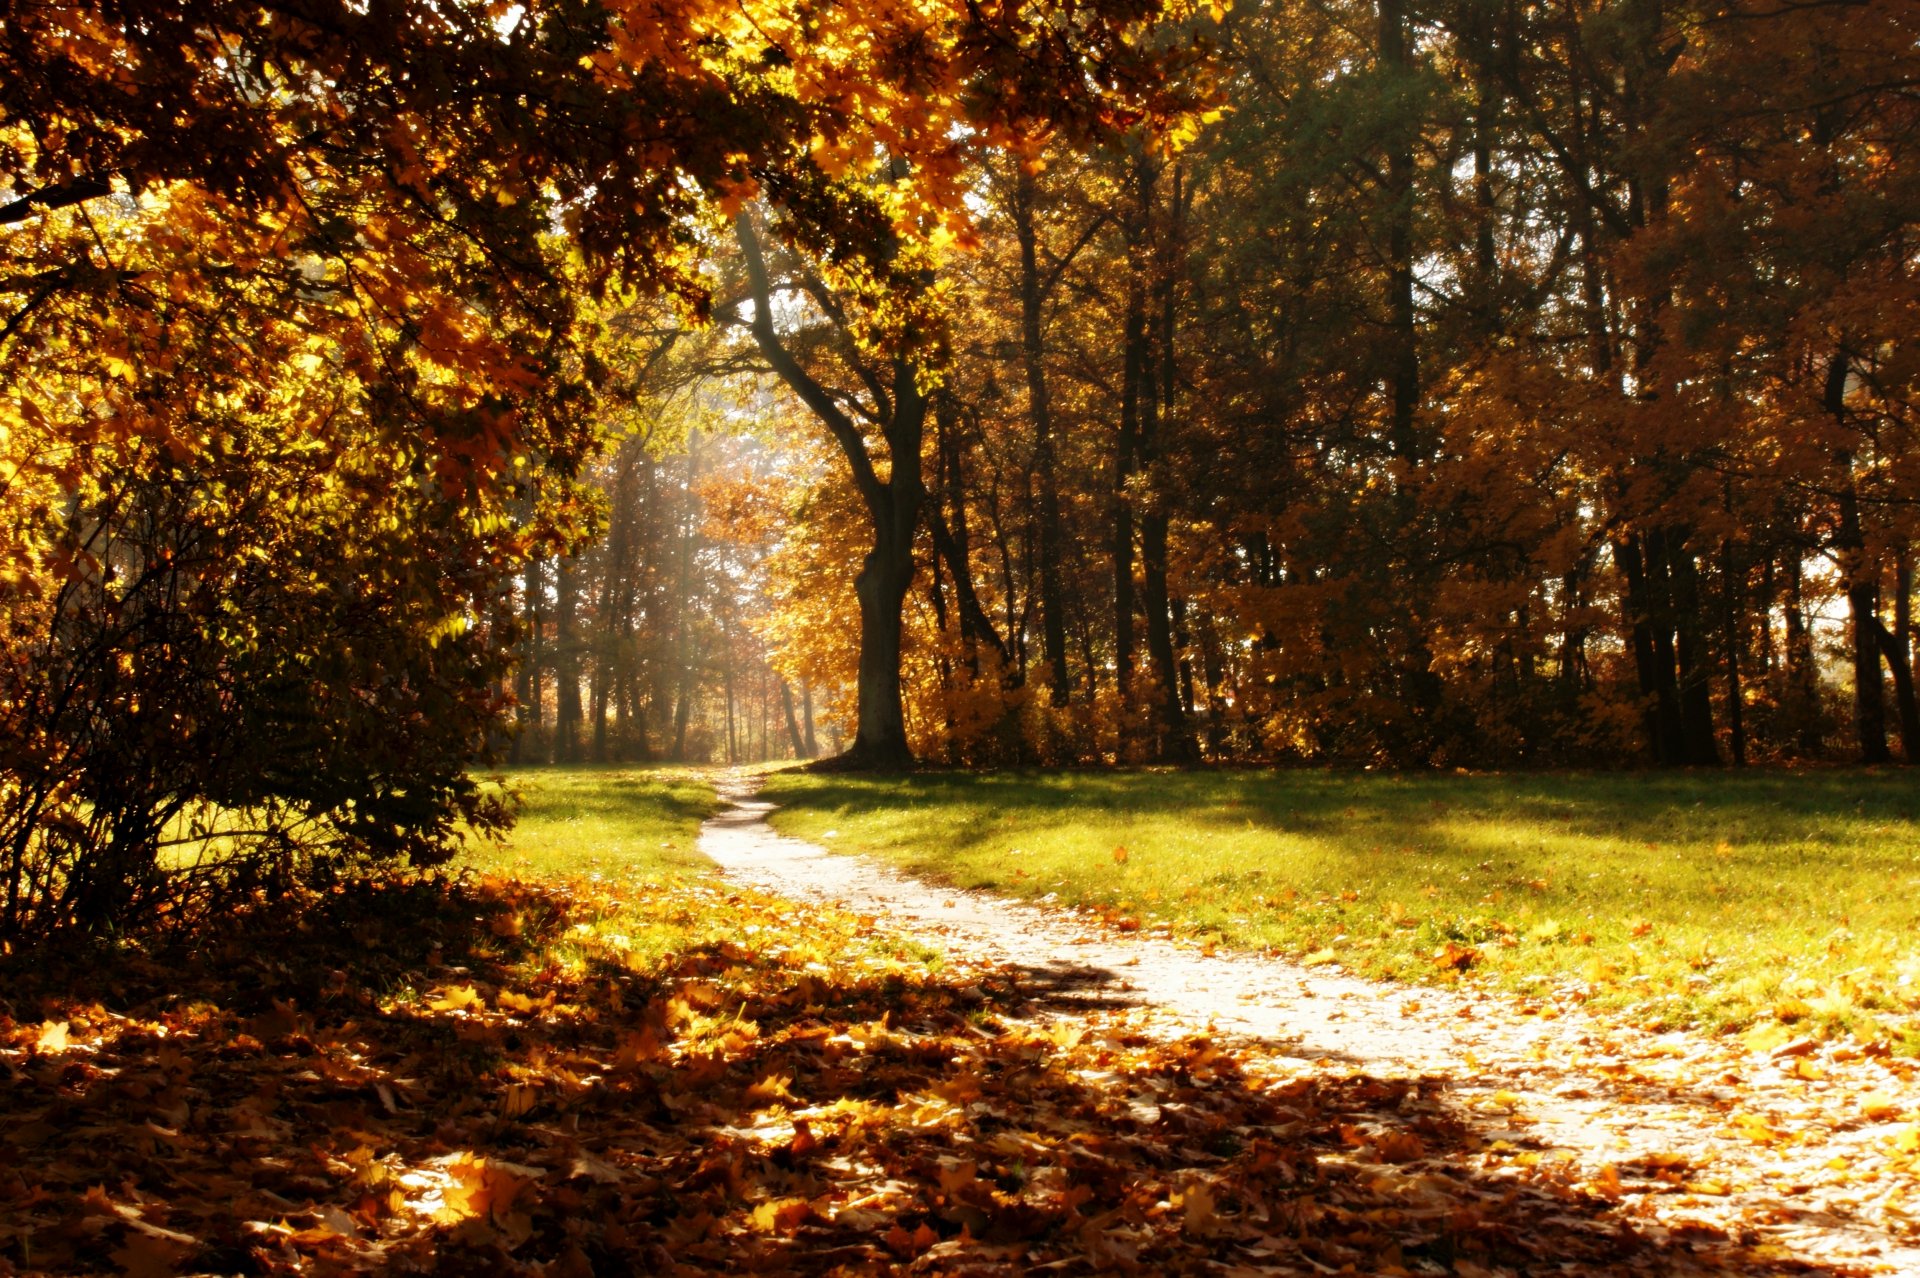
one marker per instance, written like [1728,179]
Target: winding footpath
[1679,1128]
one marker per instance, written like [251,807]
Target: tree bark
[893,509]
[806,720]
[683,602]
[531,685]
[1053,621]
[1803,687]
[800,750]
[1736,708]
[1691,652]
[566,702]
[1900,662]
[1175,744]
[1133,377]
[1863,588]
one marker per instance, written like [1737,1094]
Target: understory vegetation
[1768,902]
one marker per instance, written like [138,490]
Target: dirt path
[1677,1127]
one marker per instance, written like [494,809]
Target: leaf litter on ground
[458,1076]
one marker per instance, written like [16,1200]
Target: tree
[243,240]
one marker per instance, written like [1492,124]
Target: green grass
[630,832]
[1779,900]
[614,823]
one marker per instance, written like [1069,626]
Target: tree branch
[815,396]
[50,198]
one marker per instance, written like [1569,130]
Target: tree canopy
[391,386]
[301,365]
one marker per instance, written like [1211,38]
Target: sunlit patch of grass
[613,822]
[628,831]
[1781,900]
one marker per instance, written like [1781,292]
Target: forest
[1462,386]
[1468,385]
[959,636]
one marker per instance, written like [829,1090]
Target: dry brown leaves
[421,1077]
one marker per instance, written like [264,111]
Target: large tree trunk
[893,506]
[1133,378]
[1652,660]
[1696,689]
[880,740]
[1900,662]
[1422,689]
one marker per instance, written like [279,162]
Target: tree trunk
[1900,662]
[1053,621]
[683,601]
[1736,710]
[800,750]
[531,686]
[806,720]
[1422,687]
[1900,657]
[1652,659]
[1133,377]
[1691,652]
[566,713]
[1176,744]
[893,507]
[1803,687]
[726,680]
[880,740]
[1863,589]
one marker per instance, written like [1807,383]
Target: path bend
[1571,1085]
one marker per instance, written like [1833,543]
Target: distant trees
[1484,386]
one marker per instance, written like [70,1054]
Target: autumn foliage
[302,370]
[1464,388]
[436,1078]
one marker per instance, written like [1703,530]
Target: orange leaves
[780,1215]
[1753,1127]
[483,1187]
[880,1112]
[458,999]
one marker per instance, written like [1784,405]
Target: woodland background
[1481,385]
[393,389]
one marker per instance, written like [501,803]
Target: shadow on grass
[393,1077]
[1717,844]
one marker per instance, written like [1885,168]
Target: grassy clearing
[628,831]
[1778,901]
[616,823]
